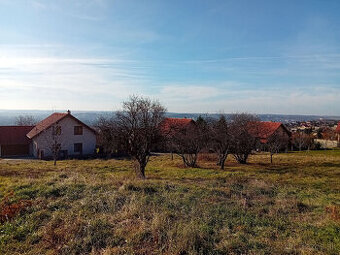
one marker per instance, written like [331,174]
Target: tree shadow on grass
[323,164]
[277,170]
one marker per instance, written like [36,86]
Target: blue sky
[259,56]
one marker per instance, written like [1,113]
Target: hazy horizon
[28,111]
[264,57]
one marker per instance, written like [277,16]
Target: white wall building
[73,136]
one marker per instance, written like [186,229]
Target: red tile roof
[46,123]
[338,128]
[52,119]
[14,135]
[170,125]
[264,129]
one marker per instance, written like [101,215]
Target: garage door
[14,150]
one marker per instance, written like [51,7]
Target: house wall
[67,139]
[326,144]
[282,131]
[262,146]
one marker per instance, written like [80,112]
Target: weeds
[9,210]
[97,207]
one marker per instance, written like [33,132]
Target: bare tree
[53,139]
[242,142]
[276,143]
[25,120]
[301,140]
[109,139]
[139,123]
[188,140]
[220,140]
[186,143]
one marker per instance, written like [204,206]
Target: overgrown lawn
[97,207]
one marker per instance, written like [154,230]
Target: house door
[40,154]
[63,154]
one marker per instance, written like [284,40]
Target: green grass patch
[98,207]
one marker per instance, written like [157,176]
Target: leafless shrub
[138,123]
[242,142]
[109,139]
[188,141]
[54,140]
[25,120]
[301,140]
[220,139]
[276,143]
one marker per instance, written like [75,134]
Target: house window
[78,130]
[78,147]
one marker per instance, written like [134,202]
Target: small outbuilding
[14,142]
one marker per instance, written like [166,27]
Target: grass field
[97,207]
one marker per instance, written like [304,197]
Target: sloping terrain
[97,207]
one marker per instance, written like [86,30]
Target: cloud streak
[319,98]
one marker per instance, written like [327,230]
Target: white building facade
[73,138]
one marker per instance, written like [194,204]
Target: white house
[73,137]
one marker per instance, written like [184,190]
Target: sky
[216,56]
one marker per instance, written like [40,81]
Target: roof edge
[66,115]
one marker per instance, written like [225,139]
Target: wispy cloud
[59,81]
[237,97]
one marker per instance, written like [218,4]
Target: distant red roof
[338,128]
[170,125]
[14,135]
[264,129]
[46,123]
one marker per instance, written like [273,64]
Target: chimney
[68,112]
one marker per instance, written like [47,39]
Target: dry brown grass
[98,207]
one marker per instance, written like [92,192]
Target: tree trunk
[189,160]
[219,160]
[222,161]
[54,158]
[271,158]
[242,158]
[140,170]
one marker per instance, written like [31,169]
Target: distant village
[61,135]
[324,132]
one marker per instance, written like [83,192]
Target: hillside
[97,207]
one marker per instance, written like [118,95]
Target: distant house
[13,141]
[326,143]
[74,137]
[263,130]
[170,126]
